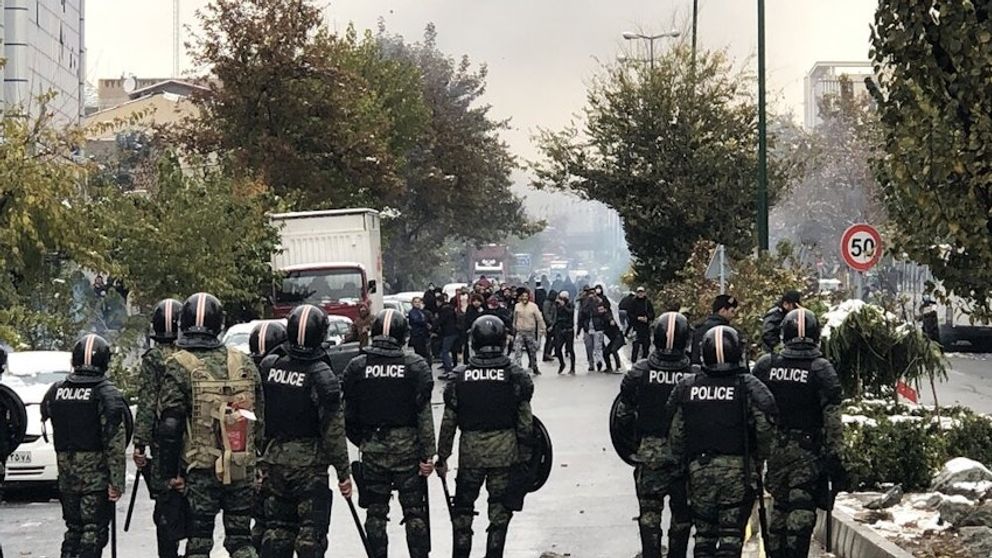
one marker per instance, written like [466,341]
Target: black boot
[561,368]
[650,542]
[495,543]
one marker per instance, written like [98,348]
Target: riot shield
[128,425]
[12,411]
[623,435]
[542,456]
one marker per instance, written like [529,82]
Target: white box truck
[332,259]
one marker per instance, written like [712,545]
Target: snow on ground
[910,518]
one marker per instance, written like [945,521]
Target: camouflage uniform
[206,494]
[810,431]
[145,424]
[658,474]
[391,455]
[297,506]
[486,455]
[720,499]
[84,476]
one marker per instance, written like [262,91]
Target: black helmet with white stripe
[801,329]
[722,351]
[671,335]
[91,355]
[165,320]
[488,336]
[390,326]
[306,330]
[265,337]
[201,321]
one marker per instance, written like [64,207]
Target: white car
[237,335]
[398,304]
[30,374]
[339,328]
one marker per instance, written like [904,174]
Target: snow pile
[859,419]
[837,314]
[914,517]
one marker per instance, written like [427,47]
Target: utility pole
[762,201]
[695,24]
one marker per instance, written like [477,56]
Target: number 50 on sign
[861,247]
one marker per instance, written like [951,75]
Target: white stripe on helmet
[670,334]
[88,350]
[301,333]
[387,321]
[168,317]
[802,324]
[720,358]
[201,309]
[261,337]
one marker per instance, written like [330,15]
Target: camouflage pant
[297,512]
[721,504]
[258,509]
[207,497]
[156,483]
[86,516]
[792,478]
[653,485]
[467,486]
[380,484]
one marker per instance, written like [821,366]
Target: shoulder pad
[524,383]
[325,384]
[821,365]
[268,362]
[763,366]
[449,394]
[639,368]
[760,395]
[113,403]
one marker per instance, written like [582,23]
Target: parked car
[396,303]
[339,329]
[237,335]
[30,374]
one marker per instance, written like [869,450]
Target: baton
[829,516]
[358,525]
[113,530]
[134,496]
[427,513]
[447,498]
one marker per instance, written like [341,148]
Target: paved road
[586,510]
[969,383]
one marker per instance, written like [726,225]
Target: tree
[933,69]
[285,106]
[838,188]
[672,151]
[458,172]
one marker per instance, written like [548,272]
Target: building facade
[44,46]
[825,79]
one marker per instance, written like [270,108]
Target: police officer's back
[87,414]
[810,431]
[387,395]
[644,393]
[212,416]
[489,401]
[722,429]
[304,434]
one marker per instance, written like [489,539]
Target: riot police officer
[722,429]
[490,402]
[164,332]
[388,416]
[215,394]
[304,434]
[266,338]
[809,434]
[87,414]
[644,393]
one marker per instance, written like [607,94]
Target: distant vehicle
[237,335]
[491,260]
[332,259]
[395,303]
[407,296]
[339,329]
[829,285]
[451,288]
[30,374]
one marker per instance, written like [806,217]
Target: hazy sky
[541,53]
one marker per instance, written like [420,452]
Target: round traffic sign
[861,247]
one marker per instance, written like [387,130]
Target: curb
[854,540]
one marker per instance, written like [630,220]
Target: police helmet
[266,336]
[165,320]
[306,329]
[202,316]
[488,335]
[721,349]
[91,354]
[390,325]
[671,334]
[800,328]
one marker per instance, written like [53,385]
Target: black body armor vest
[656,388]
[486,399]
[387,393]
[75,414]
[290,413]
[714,416]
[792,383]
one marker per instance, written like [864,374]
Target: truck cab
[339,288]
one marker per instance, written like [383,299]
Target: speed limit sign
[861,247]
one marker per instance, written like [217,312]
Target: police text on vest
[385,371]
[484,374]
[788,375]
[665,377]
[73,394]
[286,377]
[711,393]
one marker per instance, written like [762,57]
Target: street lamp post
[762,201]
[650,39]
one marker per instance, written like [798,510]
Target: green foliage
[932,91]
[912,447]
[758,282]
[672,151]
[872,350]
